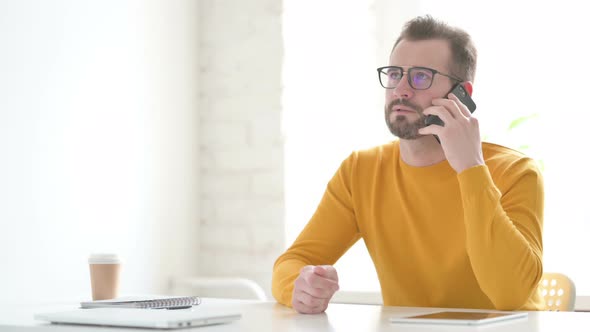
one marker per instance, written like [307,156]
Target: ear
[468,87]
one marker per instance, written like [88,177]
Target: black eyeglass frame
[404,72]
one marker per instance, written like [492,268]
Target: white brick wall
[241,147]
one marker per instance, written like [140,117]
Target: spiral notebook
[145,302]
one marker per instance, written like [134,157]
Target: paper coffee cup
[104,276]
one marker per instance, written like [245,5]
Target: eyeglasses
[420,78]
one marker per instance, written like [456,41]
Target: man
[455,223]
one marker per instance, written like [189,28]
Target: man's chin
[408,137]
[406,130]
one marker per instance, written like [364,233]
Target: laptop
[144,318]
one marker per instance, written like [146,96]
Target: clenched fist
[314,288]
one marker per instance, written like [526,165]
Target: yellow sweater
[436,238]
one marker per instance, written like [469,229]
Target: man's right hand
[314,288]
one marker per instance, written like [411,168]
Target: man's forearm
[503,236]
[285,271]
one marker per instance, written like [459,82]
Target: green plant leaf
[519,121]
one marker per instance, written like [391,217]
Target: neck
[424,151]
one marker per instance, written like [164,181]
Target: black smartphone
[459,91]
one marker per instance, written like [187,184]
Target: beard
[401,126]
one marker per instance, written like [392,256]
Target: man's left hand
[459,138]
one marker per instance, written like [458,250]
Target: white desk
[269,316]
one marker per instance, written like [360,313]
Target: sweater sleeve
[504,231]
[331,231]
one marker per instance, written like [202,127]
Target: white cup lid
[104,259]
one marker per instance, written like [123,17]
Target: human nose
[403,89]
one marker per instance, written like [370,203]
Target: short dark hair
[463,50]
